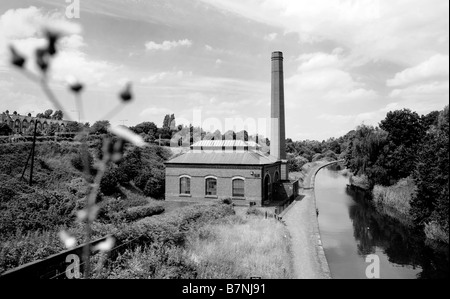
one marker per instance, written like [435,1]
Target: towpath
[301,221]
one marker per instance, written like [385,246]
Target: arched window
[277,177]
[211,186]
[238,188]
[185,185]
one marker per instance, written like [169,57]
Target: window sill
[238,198]
[185,195]
[211,196]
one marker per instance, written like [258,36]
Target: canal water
[352,230]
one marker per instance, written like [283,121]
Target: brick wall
[224,175]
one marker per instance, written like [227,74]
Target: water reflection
[402,246]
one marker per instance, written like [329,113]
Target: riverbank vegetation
[405,161]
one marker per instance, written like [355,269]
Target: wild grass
[241,247]
[360,181]
[397,197]
[435,232]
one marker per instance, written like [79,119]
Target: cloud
[325,77]
[270,37]
[164,76]
[424,87]
[336,118]
[167,45]
[435,67]
[22,28]
[155,111]
[402,31]
[423,97]
[20,23]
[219,62]
[315,61]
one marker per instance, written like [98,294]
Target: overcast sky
[346,62]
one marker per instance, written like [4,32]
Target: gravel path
[302,224]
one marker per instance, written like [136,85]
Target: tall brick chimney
[278,130]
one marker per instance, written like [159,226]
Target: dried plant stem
[113,112]
[90,210]
[79,105]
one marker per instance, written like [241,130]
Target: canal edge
[319,245]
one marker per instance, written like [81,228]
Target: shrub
[40,210]
[78,187]
[240,249]
[434,231]
[109,181]
[136,213]
[227,201]
[77,161]
[397,197]
[22,249]
[154,188]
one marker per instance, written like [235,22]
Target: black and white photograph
[224,147]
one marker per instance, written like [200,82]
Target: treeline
[406,145]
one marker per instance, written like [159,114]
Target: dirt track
[301,220]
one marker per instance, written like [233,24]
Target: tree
[51,129]
[431,175]
[242,135]
[404,127]
[295,163]
[148,128]
[73,127]
[155,184]
[405,133]
[100,127]
[30,131]
[172,123]
[166,121]
[431,119]
[5,130]
[229,135]
[366,154]
[48,113]
[58,115]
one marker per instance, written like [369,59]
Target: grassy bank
[238,247]
[32,216]
[203,241]
[359,181]
[395,201]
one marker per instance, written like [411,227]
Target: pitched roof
[225,143]
[224,158]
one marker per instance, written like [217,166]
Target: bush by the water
[397,196]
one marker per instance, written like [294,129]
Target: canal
[351,230]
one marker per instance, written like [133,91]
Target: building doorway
[267,193]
